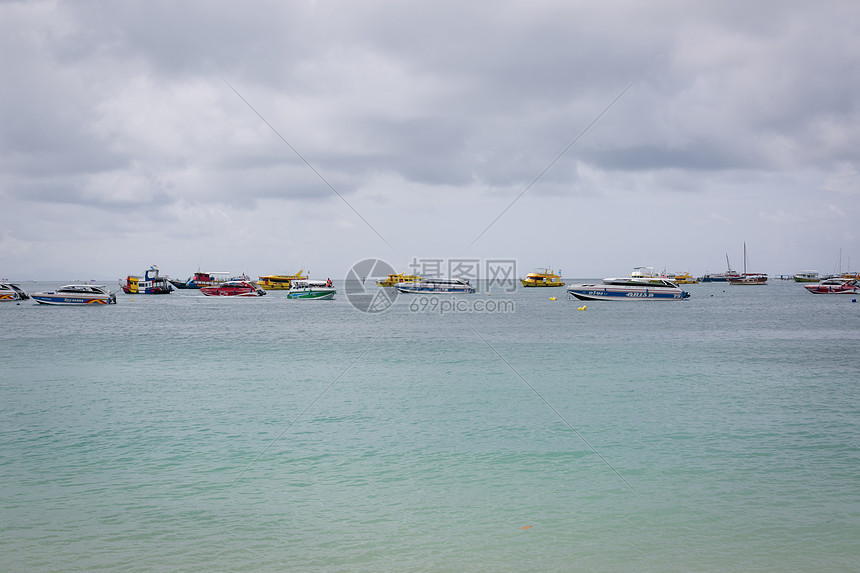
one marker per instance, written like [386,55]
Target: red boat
[233,288]
[835,286]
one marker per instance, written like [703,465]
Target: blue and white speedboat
[76,294]
[430,286]
[642,284]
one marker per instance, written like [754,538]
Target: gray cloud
[120,110]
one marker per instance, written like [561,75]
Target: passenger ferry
[806,277]
[280,282]
[431,286]
[76,295]
[543,277]
[312,290]
[9,291]
[201,279]
[642,284]
[684,279]
[149,283]
[392,280]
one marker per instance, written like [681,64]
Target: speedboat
[9,291]
[835,286]
[393,279]
[312,290]
[806,277]
[76,294]
[149,283]
[542,278]
[279,282]
[431,286]
[642,284]
[233,288]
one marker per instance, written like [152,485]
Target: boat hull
[216,291]
[833,289]
[70,300]
[617,292]
[315,294]
[530,283]
[142,289]
[233,289]
[748,281]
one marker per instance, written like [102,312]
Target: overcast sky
[401,130]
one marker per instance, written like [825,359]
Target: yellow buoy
[582,308]
[552,298]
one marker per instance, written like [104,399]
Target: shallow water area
[184,432]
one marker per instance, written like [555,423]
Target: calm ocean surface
[187,433]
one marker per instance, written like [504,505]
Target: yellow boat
[684,279]
[392,280]
[542,278]
[280,282]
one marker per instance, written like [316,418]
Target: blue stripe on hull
[649,294]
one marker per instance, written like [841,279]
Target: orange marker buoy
[526,527]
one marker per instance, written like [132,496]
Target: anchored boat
[312,290]
[642,284]
[200,279]
[76,295]
[279,282]
[543,277]
[837,285]
[233,288]
[149,283]
[392,280]
[433,286]
[10,291]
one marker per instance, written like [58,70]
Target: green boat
[312,290]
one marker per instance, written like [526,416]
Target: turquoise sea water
[186,433]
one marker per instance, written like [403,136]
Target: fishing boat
[312,290]
[748,278]
[642,284]
[76,295]
[10,291]
[392,280]
[835,286]
[200,279]
[149,283]
[279,282]
[542,277]
[806,277]
[233,288]
[436,286]
[720,277]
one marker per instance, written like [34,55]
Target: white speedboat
[76,294]
[9,291]
[430,286]
[312,290]
[642,284]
